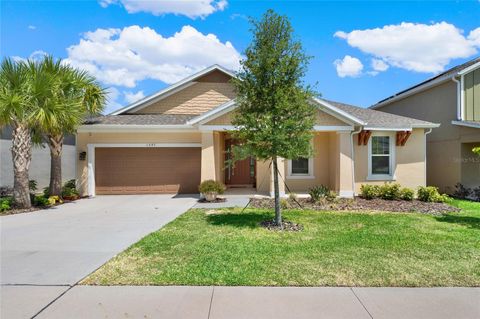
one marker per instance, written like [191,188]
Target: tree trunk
[21,157]
[55,143]
[278,212]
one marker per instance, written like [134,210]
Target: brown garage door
[138,170]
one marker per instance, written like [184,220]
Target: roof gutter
[459,102]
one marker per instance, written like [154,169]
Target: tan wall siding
[444,158]
[83,139]
[225,119]
[321,169]
[410,164]
[195,99]
[323,118]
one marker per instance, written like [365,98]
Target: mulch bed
[360,204]
[286,226]
[218,200]
[15,211]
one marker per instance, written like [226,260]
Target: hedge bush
[211,186]
[407,194]
[321,192]
[369,191]
[389,191]
[430,194]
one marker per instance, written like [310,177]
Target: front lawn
[227,247]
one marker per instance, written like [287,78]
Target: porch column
[208,157]
[345,165]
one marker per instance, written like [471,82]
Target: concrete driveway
[62,245]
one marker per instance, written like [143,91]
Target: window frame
[310,175]
[391,162]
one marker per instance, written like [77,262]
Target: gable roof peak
[178,85]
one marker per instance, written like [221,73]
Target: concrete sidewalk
[262,302]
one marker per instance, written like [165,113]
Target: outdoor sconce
[82,156]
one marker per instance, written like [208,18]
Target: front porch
[331,165]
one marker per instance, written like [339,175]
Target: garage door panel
[147,170]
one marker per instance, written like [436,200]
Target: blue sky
[363,51]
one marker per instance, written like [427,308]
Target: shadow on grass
[250,220]
[471,222]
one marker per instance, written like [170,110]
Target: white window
[300,168]
[381,153]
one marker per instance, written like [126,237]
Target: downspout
[425,157]
[353,158]
[459,110]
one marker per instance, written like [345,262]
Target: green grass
[334,249]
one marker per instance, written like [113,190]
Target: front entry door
[243,172]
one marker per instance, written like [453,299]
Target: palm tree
[15,111]
[64,96]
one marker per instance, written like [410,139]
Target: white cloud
[413,46]
[379,65]
[112,100]
[36,55]
[190,8]
[131,97]
[125,56]
[32,27]
[348,67]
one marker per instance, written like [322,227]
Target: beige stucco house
[453,100]
[171,141]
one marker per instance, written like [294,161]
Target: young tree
[274,118]
[63,97]
[15,111]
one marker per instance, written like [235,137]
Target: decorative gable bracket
[402,137]
[363,137]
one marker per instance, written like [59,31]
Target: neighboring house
[171,141]
[40,165]
[453,100]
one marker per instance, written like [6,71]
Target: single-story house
[172,140]
[452,99]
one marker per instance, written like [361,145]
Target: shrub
[6,191]
[292,196]
[211,186]
[476,193]
[52,200]
[6,203]
[461,191]
[389,191]
[284,203]
[430,194]
[32,185]
[318,192]
[69,190]
[46,192]
[407,194]
[41,201]
[369,191]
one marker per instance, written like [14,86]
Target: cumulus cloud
[32,27]
[112,100]
[414,46]
[131,97]
[379,65]
[190,8]
[36,55]
[125,56]
[348,66]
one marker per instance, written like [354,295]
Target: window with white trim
[300,168]
[381,157]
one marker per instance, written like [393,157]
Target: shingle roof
[374,118]
[141,119]
[447,74]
